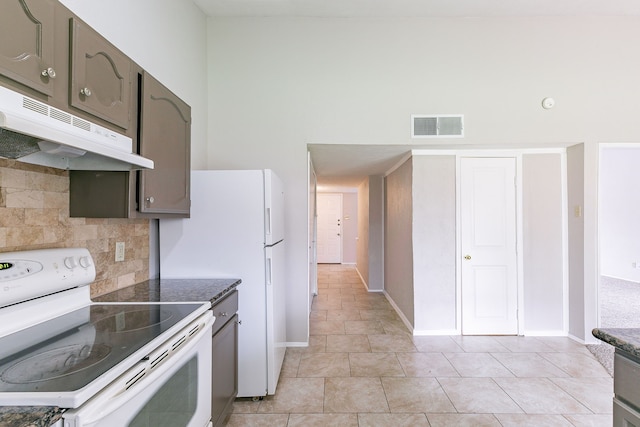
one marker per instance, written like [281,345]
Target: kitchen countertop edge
[29,416]
[625,339]
[172,290]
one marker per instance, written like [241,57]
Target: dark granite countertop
[625,339]
[176,290]
[155,290]
[29,416]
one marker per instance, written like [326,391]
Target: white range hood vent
[34,132]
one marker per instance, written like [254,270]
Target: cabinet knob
[49,72]
[467,257]
[223,314]
[85,91]
[150,199]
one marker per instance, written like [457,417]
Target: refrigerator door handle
[269,272]
[268,221]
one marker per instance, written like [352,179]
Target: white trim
[434,332]
[458,247]
[485,152]
[336,189]
[297,344]
[565,241]
[406,321]
[545,333]
[576,339]
[519,196]
[400,162]
[364,282]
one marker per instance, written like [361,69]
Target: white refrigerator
[236,230]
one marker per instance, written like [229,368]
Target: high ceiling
[425,8]
[347,165]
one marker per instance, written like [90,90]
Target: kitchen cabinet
[49,54]
[100,81]
[225,358]
[164,135]
[626,403]
[27,47]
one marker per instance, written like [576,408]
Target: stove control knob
[70,262]
[85,262]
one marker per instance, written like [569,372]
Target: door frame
[312,215]
[519,231]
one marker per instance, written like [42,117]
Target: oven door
[175,394]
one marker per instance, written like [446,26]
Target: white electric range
[124,364]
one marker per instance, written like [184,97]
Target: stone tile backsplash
[34,214]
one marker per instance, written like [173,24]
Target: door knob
[467,257]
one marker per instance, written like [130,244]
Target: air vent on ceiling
[437,126]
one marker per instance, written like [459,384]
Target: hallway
[363,368]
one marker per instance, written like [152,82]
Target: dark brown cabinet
[100,82]
[27,43]
[165,137]
[224,358]
[46,52]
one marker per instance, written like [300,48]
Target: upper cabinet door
[100,76]
[165,137]
[26,43]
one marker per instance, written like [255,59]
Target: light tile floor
[364,368]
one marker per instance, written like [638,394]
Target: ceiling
[424,8]
[346,165]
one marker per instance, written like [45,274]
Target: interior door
[488,246]
[329,228]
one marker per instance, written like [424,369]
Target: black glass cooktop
[70,351]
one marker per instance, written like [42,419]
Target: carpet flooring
[619,307]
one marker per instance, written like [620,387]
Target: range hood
[34,132]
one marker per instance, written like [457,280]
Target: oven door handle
[140,376]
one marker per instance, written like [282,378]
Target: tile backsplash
[34,214]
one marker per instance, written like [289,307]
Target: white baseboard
[364,282]
[435,332]
[576,339]
[545,333]
[298,344]
[406,321]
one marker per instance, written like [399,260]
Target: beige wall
[34,214]
[434,243]
[362,247]
[398,242]
[576,228]
[376,233]
[543,247]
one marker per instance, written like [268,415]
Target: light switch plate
[119,251]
